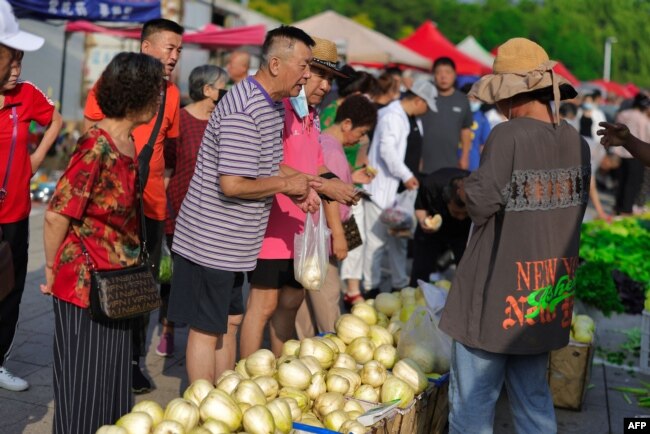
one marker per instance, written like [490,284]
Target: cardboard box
[569,371]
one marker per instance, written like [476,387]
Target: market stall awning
[471,47]
[361,44]
[611,87]
[429,42]
[564,72]
[210,36]
[88,27]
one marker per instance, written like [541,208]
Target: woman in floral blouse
[96,201]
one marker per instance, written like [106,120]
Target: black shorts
[274,273]
[203,297]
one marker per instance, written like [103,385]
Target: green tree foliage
[573,31]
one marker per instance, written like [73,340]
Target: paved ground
[31,411]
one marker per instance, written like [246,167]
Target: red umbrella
[430,43]
[615,88]
[211,36]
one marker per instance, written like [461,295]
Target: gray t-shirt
[514,287]
[441,131]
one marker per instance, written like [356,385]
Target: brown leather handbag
[6,268]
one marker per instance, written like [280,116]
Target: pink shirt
[337,163]
[302,151]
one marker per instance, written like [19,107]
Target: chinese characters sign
[92,10]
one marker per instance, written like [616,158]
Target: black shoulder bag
[144,157]
[127,292]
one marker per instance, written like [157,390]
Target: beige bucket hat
[521,66]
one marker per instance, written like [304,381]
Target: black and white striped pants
[92,370]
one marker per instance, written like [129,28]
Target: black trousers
[92,370]
[17,234]
[629,184]
[427,249]
[155,231]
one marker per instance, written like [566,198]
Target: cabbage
[261,362]
[338,384]
[328,402]
[169,427]
[335,419]
[386,355]
[258,420]
[152,408]
[220,406]
[366,392]
[373,373]
[361,349]
[250,393]
[352,427]
[349,327]
[269,386]
[365,312]
[182,411]
[294,373]
[137,422]
[281,413]
[197,391]
[410,372]
[388,303]
[216,426]
[318,349]
[394,388]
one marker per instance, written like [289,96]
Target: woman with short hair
[96,203]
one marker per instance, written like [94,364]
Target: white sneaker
[10,382]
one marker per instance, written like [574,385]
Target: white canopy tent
[360,44]
[473,49]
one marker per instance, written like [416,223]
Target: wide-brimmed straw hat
[325,56]
[521,66]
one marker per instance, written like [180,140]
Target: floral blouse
[98,192]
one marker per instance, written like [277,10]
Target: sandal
[351,300]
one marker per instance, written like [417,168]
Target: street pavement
[32,411]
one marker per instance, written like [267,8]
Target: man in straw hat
[275,295]
[511,300]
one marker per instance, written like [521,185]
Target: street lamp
[607,67]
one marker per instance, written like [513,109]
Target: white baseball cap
[427,91]
[10,33]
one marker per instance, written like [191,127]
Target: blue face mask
[475,105]
[587,106]
[299,104]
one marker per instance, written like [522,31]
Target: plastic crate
[644,360]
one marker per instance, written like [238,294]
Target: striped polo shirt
[243,138]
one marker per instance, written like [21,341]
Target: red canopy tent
[429,42]
[632,88]
[613,87]
[564,72]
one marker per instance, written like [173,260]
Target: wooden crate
[426,415]
[569,371]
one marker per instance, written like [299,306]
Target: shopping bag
[166,268]
[312,251]
[422,341]
[401,214]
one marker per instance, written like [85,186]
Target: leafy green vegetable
[605,247]
[594,286]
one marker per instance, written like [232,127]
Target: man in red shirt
[162,39]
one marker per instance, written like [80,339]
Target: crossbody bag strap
[159,118]
[14,138]
[144,253]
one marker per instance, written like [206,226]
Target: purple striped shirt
[243,138]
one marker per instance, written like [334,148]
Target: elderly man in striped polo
[221,223]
